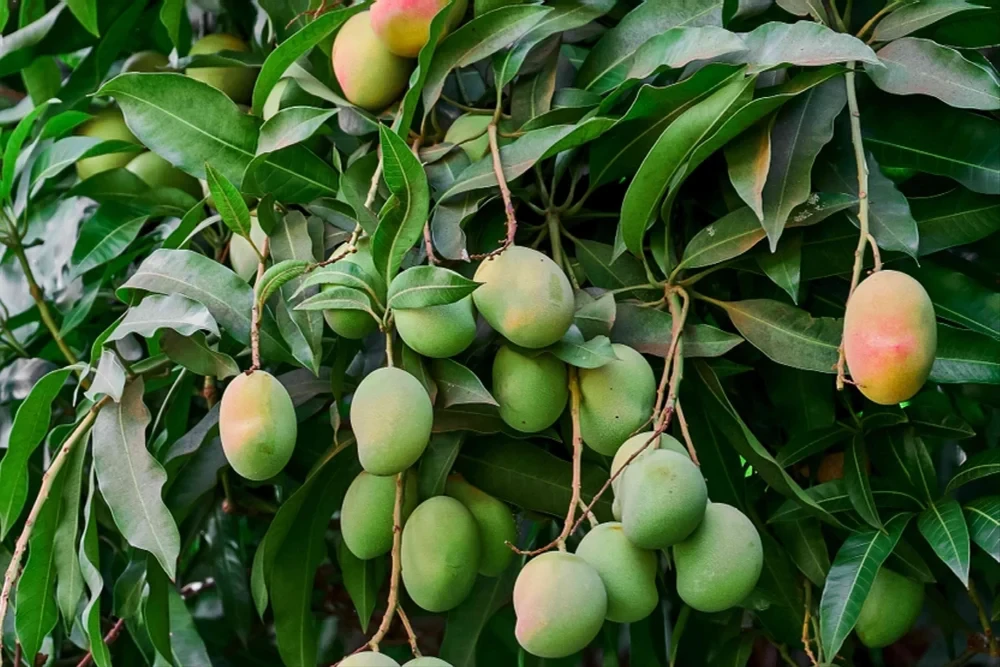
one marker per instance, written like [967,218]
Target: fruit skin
[403,26]
[241,255]
[467,126]
[625,452]
[427,661]
[560,603]
[440,554]
[106,124]
[158,173]
[145,61]
[366,514]
[368,659]
[391,415]
[438,332]
[628,572]
[236,82]
[371,76]
[356,324]
[494,521]
[526,297]
[663,497]
[531,391]
[257,425]
[615,399]
[720,563]
[890,337]
[890,610]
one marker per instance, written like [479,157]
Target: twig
[983,619]
[686,434]
[255,315]
[17,654]
[397,534]
[678,318]
[508,205]
[875,19]
[590,515]
[109,639]
[875,253]
[805,624]
[209,391]
[429,245]
[373,188]
[411,635]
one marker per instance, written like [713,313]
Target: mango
[531,391]
[106,124]
[560,603]
[525,296]
[628,572]
[356,324]
[391,415]
[427,661]
[625,452]
[890,337]
[494,521]
[719,565]
[469,130]
[368,659]
[158,173]
[257,425]
[404,25]
[366,514]
[371,76]
[146,61]
[241,255]
[615,400]
[890,610]
[440,554]
[663,497]
[236,82]
[438,331]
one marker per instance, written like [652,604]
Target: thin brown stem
[17,654]
[109,639]
[875,19]
[397,535]
[255,316]
[686,434]
[508,205]
[678,315]
[805,624]
[209,391]
[410,634]
[590,515]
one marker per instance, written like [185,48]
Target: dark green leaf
[363,580]
[467,622]
[89,554]
[965,356]
[230,569]
[12,149]
[911,17]
[856,481]
[808,443]
[730,236]
[194,354]
[436,463]
[458,385]
[784,265]
[978,466]
[806,547]
[291,126]
[749,158]
[983,515]
[648,330]
[901,455]
[958,298]
[105,236]
[423,286]
[943,526]
[69,579]
[593,353]
[228,202]
[802,43]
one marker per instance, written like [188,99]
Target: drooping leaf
[911,17]
[943,526]
[109,376]
[983,515]
[193,353]
[156,312]
[436,463]
[89,554]
[648,330]
[292,247]
[808,443]
[69,578]
[959,298]
[784,265]
[105,236]
[856,480]
[230,571]
[362,579]
[749,159]
[901,455]
[458,385]
[806,547]
[976,467]
[467,622]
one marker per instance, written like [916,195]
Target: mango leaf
[911,17]
[901,455]
[105,236]
[276,276]
[594,317]
[12,149]
[291,247]
[363,579]
[805,545]
[784,265]
[109,376]
[648,330]
[592,353]
[291,126]
[457,385]
[965,356]
[228,202]
[89,554]
[730,236]
[408,107]
[832,497]
[749,159]
[436,463]
[339,298]
[344,274]
[69,579]
[859,488]
[467,622]
[943,526]
[983,515]
[959,298]
[721,463]
[187,645]
[424,286]
[157,312]
[976,467]
[193,353]
[805,444]
[804,43]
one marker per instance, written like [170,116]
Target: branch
[397,534]
[686,434]
[805,624]
[678,317]
[508,205]
[255,315]
[109,639]
[410,634]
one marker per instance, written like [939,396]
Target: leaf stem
[397,535]
[255,316]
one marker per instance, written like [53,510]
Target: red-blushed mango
[531,390]
[370,75]
[427,661]
[438,331]
[368,659]
[615,399]
[469,130]
[366,514]
[356,324]
[628,572]
[890,610]
[145,61]
[158,173]
[106,124]
[257,425]
[391,415]
[662,499]
[719,565]
[560,603]
[236,82]
[494,521]
[440,554]
[403,26]
[890,337]
[625,452]
[525,296]
[242,257]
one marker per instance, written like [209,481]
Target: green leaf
[291,126]
[155,611]
[437,461]
[911,17]
[85,12]
[854,568]
[856,481]
[943,526]
[12,149]
[959,298]
[65,152]
[291,175]
[344,274]
[908,562]
[458,385]
[90,567]
[806,547]
[983,515]
[803,43]
[976,467]
[833,498]
[435,31]
[604,271]
[156,312]
[593,353]
[749,159]
[69,579]
[901,455]
[230,568]
[228,202]
[424,286]
[105,236]
[730,236]
[172,13]
[808,443]
[363,579]
[277,275]
[132,480]
[932,415]
[784,265]
[648,330]
[721,464]
[339,298]
[594,317]
[187,646]
[109,376]
[194,354]
[965,357]
[467,622]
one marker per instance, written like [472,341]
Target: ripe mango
[391,415]
[440,554]
[720,563]
[371,76]
[241,255]
[663,497]
[628,572]
[368,659]
[525,296]
[356,324]
[615,399]
[403,26]
[469,130]
[438,331]
[494,521]
[890,610]
[236,82]
[560,603]
[531,391]
[366,515]
[106,124]
[890,337]
[257,425]
[158,173]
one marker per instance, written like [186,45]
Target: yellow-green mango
[146,61]
[241,255]
[531,390]
[257,425]
[366,514]
[438,331]
[560,603]
[469,130]
[440,554]
[628,572]
[391,416]
[890,337]
[525,296]
[371,75]
[494,521]
[236,82]
[368,659]
[427,661]
[663,498]
[615,399]
[158,173]
[403,26]
[355,324]
[720,563]
[625,452]
[890,610]
[106,124]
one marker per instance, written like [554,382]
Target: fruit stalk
[255,316]
[410,634]
[397,534]
[686,434]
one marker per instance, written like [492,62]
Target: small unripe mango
[560,603]
[368,659]
[719,565]
[106,124]
[404,25]
[890,610]
[427,661]
[391,415]
[890,337]
[525,296]
[663,498]
[438,331]
[625,452]
[145,61]
[469,130]
[615,399]
[531,391]
[235,82]
[366,515]
[158,173]
[241,255]
[628,572]
[356,324]
[257,425]
[440,554]
[494,521]
[371,75]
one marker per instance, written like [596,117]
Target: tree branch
[109,639]
[255,315]
[397,539]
